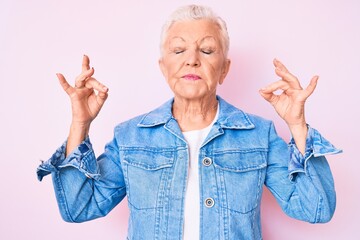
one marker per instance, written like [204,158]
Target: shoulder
[130,123]
[233,117]
[157,116]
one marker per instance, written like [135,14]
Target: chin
[192,95]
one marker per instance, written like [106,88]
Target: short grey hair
[196,12]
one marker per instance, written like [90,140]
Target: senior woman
[194,167]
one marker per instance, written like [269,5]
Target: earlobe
[162,67]
[225,71]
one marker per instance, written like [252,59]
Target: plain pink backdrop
[39,38]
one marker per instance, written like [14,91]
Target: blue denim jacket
[147,161]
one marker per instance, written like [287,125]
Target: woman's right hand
[87,98]
[85,102]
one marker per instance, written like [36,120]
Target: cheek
[213,69]
[171,70]
[172,67]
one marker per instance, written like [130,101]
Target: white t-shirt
[192,197]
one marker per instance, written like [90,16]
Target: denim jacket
[148,159]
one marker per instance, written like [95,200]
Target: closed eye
[207,51]
[178,50]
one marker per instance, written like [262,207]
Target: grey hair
[196,12]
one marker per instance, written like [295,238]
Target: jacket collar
[229,116]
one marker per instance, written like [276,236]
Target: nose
[193,59]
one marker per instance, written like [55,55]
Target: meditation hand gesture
[86,104]
[87,98]
[290,103]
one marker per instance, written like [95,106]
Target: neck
[194,114]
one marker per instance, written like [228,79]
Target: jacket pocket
[146,172]
[242,175]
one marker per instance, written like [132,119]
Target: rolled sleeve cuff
[82,158]
[316,146]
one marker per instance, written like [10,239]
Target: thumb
[101,97]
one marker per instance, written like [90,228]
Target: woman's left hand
[290,103]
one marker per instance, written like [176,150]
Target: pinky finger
[312,85]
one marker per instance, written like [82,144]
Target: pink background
[41,37]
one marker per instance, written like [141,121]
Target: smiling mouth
[191,77]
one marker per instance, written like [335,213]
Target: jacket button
[209,202]
[207,161]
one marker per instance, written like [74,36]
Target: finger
[288,77]
[280,65]
[64,84]
[284,73]
[80,80]
[312,85]
[270,97]
[92,83]
[278,85]
[85,63]
[101,98]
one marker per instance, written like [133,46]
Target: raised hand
[290,103]
[87,98]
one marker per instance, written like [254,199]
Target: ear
[162,67]
[225,70]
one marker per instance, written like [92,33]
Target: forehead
[194,30]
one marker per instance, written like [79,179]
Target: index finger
[85,63]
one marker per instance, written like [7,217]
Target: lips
[191,77]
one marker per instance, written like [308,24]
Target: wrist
[79,130]
[299,134]
[298,129]
[78,133]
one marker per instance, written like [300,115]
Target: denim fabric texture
[147,161]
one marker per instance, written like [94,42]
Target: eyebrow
[202,40]
[208,37]
[176,37]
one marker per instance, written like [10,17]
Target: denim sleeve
[82,158]
[302,184]
[316,146]
[85,187]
